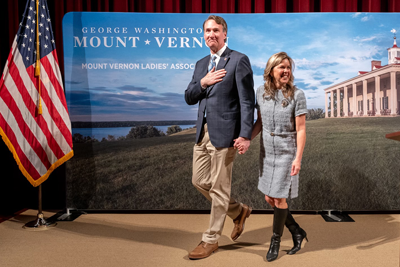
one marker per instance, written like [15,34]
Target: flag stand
[40,223]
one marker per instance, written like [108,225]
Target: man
[222,84]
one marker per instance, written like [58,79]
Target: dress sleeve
[301,104]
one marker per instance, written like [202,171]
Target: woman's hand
[242,144]
[296,166]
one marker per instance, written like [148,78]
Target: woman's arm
[301,142]
[256,126]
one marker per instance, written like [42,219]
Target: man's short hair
[219,20]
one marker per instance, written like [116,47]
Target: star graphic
[147,42]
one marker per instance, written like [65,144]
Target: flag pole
[40,222]
[37,67]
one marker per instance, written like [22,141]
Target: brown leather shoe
[203,250]
[239,222]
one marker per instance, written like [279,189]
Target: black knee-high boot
[277,228]
[298,234]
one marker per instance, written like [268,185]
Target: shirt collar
[220,52]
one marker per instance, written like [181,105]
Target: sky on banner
[136,66]
[39,143]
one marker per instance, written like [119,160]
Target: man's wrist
[202,85]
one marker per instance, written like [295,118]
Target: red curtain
[11,15]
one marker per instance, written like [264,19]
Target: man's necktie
[212,63]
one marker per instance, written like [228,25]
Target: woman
[281,120]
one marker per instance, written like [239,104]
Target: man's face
[214,35]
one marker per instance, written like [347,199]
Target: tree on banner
[34,119]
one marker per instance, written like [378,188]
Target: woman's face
[281,73]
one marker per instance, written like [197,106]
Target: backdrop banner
[133,135]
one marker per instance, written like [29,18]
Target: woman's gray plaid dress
[278,142]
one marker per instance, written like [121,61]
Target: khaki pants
[212,176]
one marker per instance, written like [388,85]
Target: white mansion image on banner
[371,93]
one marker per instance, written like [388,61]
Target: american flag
[39,142]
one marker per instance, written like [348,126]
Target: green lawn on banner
[348,164]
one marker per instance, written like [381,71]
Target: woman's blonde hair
[269,85]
